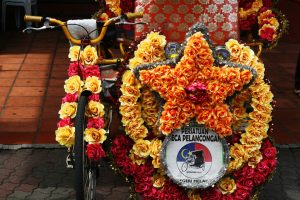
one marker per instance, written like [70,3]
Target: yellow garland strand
[257,121]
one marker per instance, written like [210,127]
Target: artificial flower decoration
[195,87]
[261,21]
[84,75]
[196,84]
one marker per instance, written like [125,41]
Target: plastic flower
[196,66]
[65,135]
[227,185]
[158,181]
[73,85]
[94,109]
[68,109]
[89,56]
[93,84]
[93,135]
[142,148]
[74,52]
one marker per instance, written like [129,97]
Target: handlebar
[29,18]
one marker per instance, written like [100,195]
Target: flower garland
[141,158]
[136,114]
[83,75]
[271,24]
[259,98]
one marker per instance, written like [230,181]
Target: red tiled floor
[10,66]
[24,112]
[33,74]
[6,82]
[28,91]
[30,82]
[25,101]
[8,74]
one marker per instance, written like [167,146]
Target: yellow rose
[94,109]
[134,124]
[246,56]
[138,133]
[261,107]
[128,100]
[89,56]
[93,135]
[158,181]
[73,85]
[192,195]
[142,148]
[128,78]
[65,135]
[238,151]
[126,110]
[234,164]
[255,159]
[257,132]
[260,116]
[156,162]
[93,84]
[136,159]
[68,109]
[260,69]
[227,185]
[126,119]
[134,62]
[74,53]
[234,48]
[156,39]
[155,147]
[130,90]
[248,139]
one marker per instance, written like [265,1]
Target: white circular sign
[195,157]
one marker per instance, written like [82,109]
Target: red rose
[248,23]
[258,179]
[241,194]
[211,194]
[267,33]
[91,71]
[65,122]
[70,98]
[129,168]
[227,197]
[73,69]
[94,97]
[245,172]
[143,184]
[151,193]
[267,3]
[245,183]
[95,152]
[267,144]
[263,167]
[96,123]
[270,152]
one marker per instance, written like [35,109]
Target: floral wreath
[270,23]
[84,75]
[253,156]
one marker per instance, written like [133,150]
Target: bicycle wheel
[85,172]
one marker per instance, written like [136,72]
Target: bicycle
[86,171]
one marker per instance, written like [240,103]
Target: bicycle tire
[83,171]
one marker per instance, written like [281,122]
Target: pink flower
[91,71]
[65,122]
[96,123]
[73,69]
[267,33]
[94,97]
[95,152]
[70,98]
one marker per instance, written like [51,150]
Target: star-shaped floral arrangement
[196,84]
